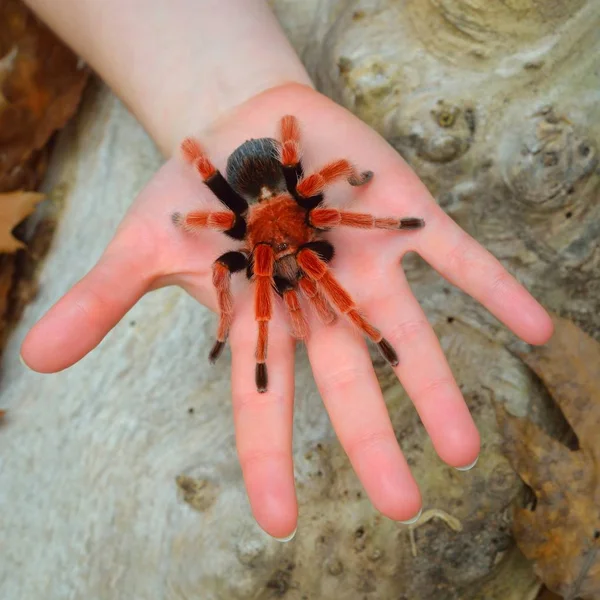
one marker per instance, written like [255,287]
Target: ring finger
[425,373]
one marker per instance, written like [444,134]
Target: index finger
[466,264]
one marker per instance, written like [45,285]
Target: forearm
[178,64]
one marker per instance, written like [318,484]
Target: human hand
[148,252]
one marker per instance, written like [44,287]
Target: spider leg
[285,288]
[309,288]
[223,267]
[291,164]
[224,221]
[290,152]
[317,270]
[327,218]
[314,184]
[317,300]
[263,264]
[214,180]
[309,190]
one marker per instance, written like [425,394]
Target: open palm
[148,252]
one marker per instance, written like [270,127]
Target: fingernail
[468,467]
[414,519]
[289,538]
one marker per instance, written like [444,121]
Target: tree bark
[119,477]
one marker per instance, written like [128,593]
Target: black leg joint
[309,224]
[250,267]
[309,203]
[262,378]
[292,175]
[238,231]
[234,261]
[323,248]
[219,186]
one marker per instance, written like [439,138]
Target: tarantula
[278,213]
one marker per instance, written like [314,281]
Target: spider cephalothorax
[279,215]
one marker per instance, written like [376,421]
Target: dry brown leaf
[546,594]
[41,82]
[562,534]
[14,207]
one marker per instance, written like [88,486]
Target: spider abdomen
[254,170]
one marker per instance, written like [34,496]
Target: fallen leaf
[562,532]
[41,82]
[14,207]
[546,594]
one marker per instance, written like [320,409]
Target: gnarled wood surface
[496,105]
[110,487]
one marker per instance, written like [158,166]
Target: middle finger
[263,422]
[346,380]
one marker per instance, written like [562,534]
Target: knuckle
[250,458]
[460,257]
[82,304]
[433,389]
[408,331]
[254,402]
[340,381]
[366,441]
[91,302]
[500,284]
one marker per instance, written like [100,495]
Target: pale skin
[224,79]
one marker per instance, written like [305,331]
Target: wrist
[253,58]
[205,116]
[178,65]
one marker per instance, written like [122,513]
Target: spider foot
[411,223]
[215,351]
[357,180]
[388,352]
[262,378]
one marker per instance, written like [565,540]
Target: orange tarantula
[278,213]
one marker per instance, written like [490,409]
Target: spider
[279,214]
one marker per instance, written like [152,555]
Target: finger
[344,374]
[425,374]
[263,422]
[78,322]
[463,262]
